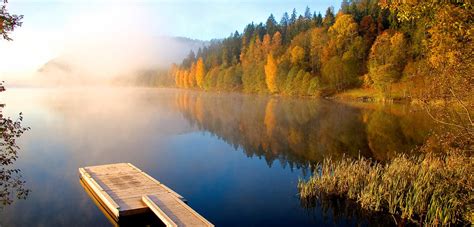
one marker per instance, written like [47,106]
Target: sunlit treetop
[415,9]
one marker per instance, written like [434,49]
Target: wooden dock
[125,190]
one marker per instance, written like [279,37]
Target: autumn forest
[395,50]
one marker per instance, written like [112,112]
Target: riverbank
[371,95]
[356,95]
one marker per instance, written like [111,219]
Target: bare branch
[463,106]
[440,121]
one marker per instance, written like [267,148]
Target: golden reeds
[430,189]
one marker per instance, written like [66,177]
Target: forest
[396,50]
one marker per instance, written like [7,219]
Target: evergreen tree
[272,25]
[318,19]
[189,60]
[307,13]
[329,17]
[285,20]
[294,16]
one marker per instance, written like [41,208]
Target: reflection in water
[336,208]
[297,132]
[11,182]
[214,149]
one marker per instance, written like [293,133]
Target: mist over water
[236,158]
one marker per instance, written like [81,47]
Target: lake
[236,158]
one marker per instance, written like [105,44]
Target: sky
[50,28]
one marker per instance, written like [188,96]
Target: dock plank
[173,211]
[126,190]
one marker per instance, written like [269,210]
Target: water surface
[235,158]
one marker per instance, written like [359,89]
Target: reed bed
[429,189]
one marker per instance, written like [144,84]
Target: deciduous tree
[387,59]
[200,73]
[271,74]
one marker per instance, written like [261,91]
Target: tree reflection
[333,209]
[298,132]
[11,183]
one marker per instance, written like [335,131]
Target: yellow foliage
[186,79]
[318,40]
[200,73]
[192,76]
[199,110]
[271,74]
[270,117]
[297,55]
[295,136]
[276,42]
[266,43]
[343,31]
[181,78]
[175,73]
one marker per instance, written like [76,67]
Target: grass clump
[431,189]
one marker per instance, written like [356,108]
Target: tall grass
[430,189]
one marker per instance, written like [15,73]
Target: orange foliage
[200,72]
[271,74]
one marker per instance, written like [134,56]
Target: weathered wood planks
[174,212]
[126,190]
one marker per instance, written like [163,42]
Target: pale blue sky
[198,19]
[51,27]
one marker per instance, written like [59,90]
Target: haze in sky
[52,28]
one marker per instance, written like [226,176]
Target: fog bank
[105,43]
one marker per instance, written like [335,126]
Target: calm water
[235,158]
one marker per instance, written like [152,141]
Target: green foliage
[387,59]
[233,78]
[329,17]
[304,88]
[290,82]
[220,85]
[210,81]
[12,184]
[314,86]
[332,73]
